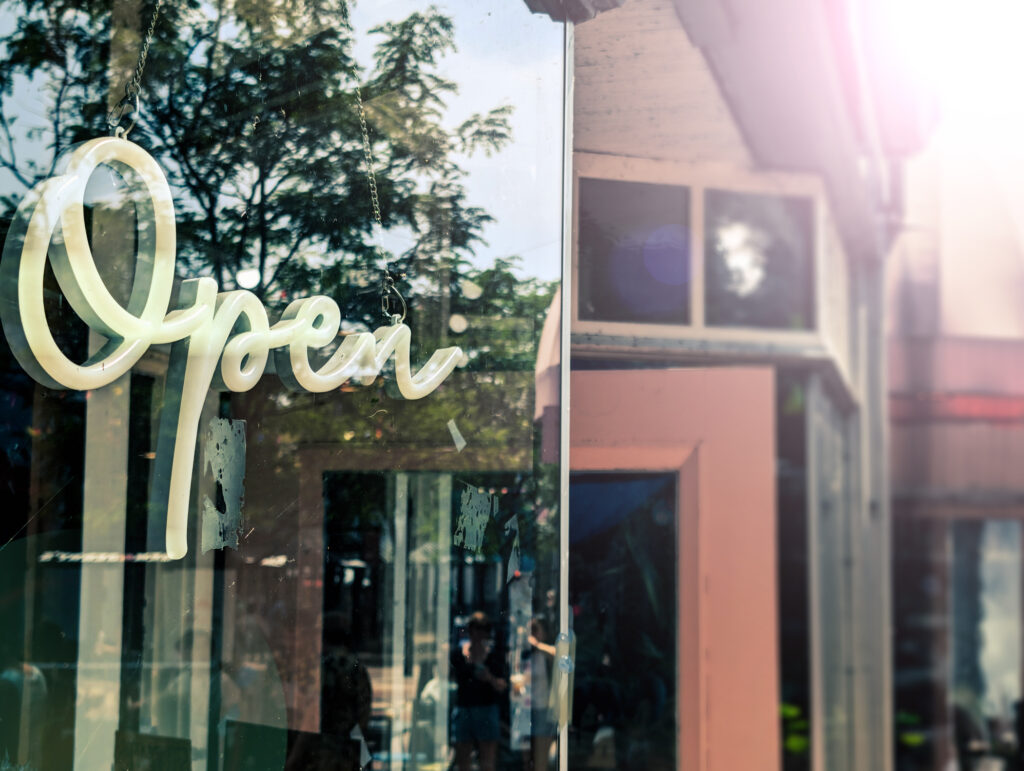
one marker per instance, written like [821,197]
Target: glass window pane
[957,680]
[986,635]
[622,586]
[372,567]
[759,260]
[634,252]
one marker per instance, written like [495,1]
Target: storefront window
[366,574]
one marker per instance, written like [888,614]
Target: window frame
[699,178]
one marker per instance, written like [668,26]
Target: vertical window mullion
[697,257]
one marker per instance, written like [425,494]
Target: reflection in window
[759,261]
[622,586]
[958,645]
[986,637]
[634,252]
[320,638]
[793,569]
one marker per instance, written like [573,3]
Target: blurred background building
[746,176]
[955,356]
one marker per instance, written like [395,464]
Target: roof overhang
[789,71]
[811,93]
[572,10]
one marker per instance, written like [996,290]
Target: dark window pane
[634,252]
[622,587]
[793,569]
[759,260]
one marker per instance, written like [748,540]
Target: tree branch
[11,164]
[303,235]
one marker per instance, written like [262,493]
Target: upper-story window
[695,260]
[759,260]
[634,252]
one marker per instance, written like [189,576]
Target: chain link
[132,88]
[387,287]
[130,101]
[371,176]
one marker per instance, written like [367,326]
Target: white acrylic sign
[51,222]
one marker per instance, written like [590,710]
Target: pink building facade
[729,213]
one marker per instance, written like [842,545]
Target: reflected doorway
[622,588]
[410,558]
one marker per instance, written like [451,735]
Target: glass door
[281,384]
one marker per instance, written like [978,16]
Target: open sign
[217,338]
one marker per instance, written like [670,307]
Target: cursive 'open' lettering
[203,331]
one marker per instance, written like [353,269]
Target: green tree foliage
[251,108]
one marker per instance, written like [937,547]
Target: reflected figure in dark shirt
[480,680]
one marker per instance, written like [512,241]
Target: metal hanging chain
[388,292]
[130,100]
[387,287]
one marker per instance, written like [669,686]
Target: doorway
[623,592]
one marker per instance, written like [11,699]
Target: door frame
[715,429]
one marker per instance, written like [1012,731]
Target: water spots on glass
[224,456]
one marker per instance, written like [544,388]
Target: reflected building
[726,318]
[955,357]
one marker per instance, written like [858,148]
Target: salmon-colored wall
[715,427]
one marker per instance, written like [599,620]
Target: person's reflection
[541,656]
[22,705]
[479,674]
[345,703]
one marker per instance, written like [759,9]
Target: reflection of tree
[251,108]
[250,105]
[59,50]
